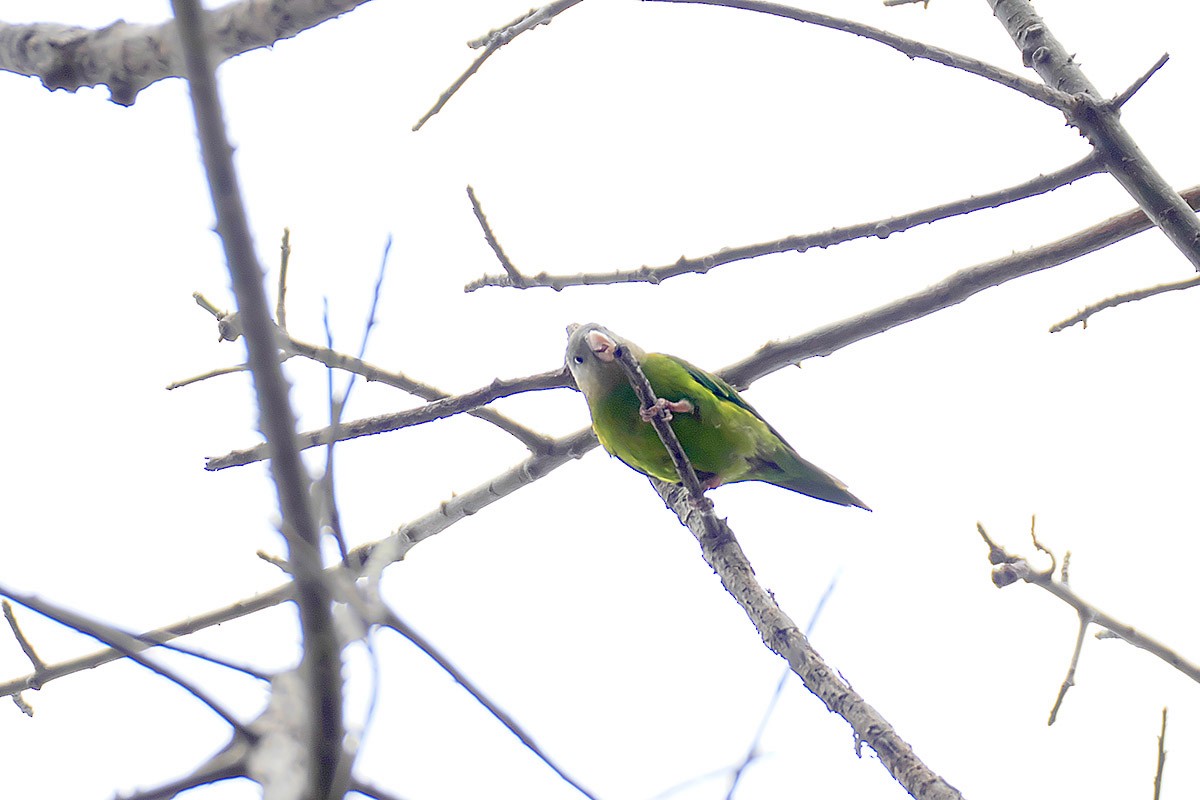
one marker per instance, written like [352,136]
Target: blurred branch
[209,774]
[129,57]
[368,426]
[1127,297]
[949,291]
[391,620]
[493,41]
[1100,121]
[321,662]
[1010,568]
[123,643]
[1089,165]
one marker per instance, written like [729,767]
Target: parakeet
[724,437]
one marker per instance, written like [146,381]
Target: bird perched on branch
[725,439]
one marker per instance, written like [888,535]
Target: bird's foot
[665,408]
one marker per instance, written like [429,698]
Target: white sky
[623,134]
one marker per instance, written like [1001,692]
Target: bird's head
[591,356]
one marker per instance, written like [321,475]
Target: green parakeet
[724,437]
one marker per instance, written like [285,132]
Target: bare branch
[493,41]
[1100,122]
[949,291]
[1162,755]
[321,664]
[1136,86]
[285,257]
[393,621]
[369,426]
[127,645]
[129,57]
[1127,297]
[1010,568]
[1089,165]
[39,666]
[909,47]
[1069,681]
[514,275]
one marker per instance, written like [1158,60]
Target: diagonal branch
[129,57]
[723,553]
[1100,121]
[949,291]
[128,646]
[882,228]
[493,41]
[392,620]
[781,634]
[909,47]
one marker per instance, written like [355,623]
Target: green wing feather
[724,437]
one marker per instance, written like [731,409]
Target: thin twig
[1162,755]
[492,42]
[513,273]
[1069,681]
[1133,89]
[39,666]
[393,621]
[328,492]
[212,373]
[285,256]
[909,47]
[882,228]
[383,423]
[1120,299]
[321,664]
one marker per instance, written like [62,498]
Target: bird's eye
[578,359]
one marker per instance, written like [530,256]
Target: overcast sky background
[624,133]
